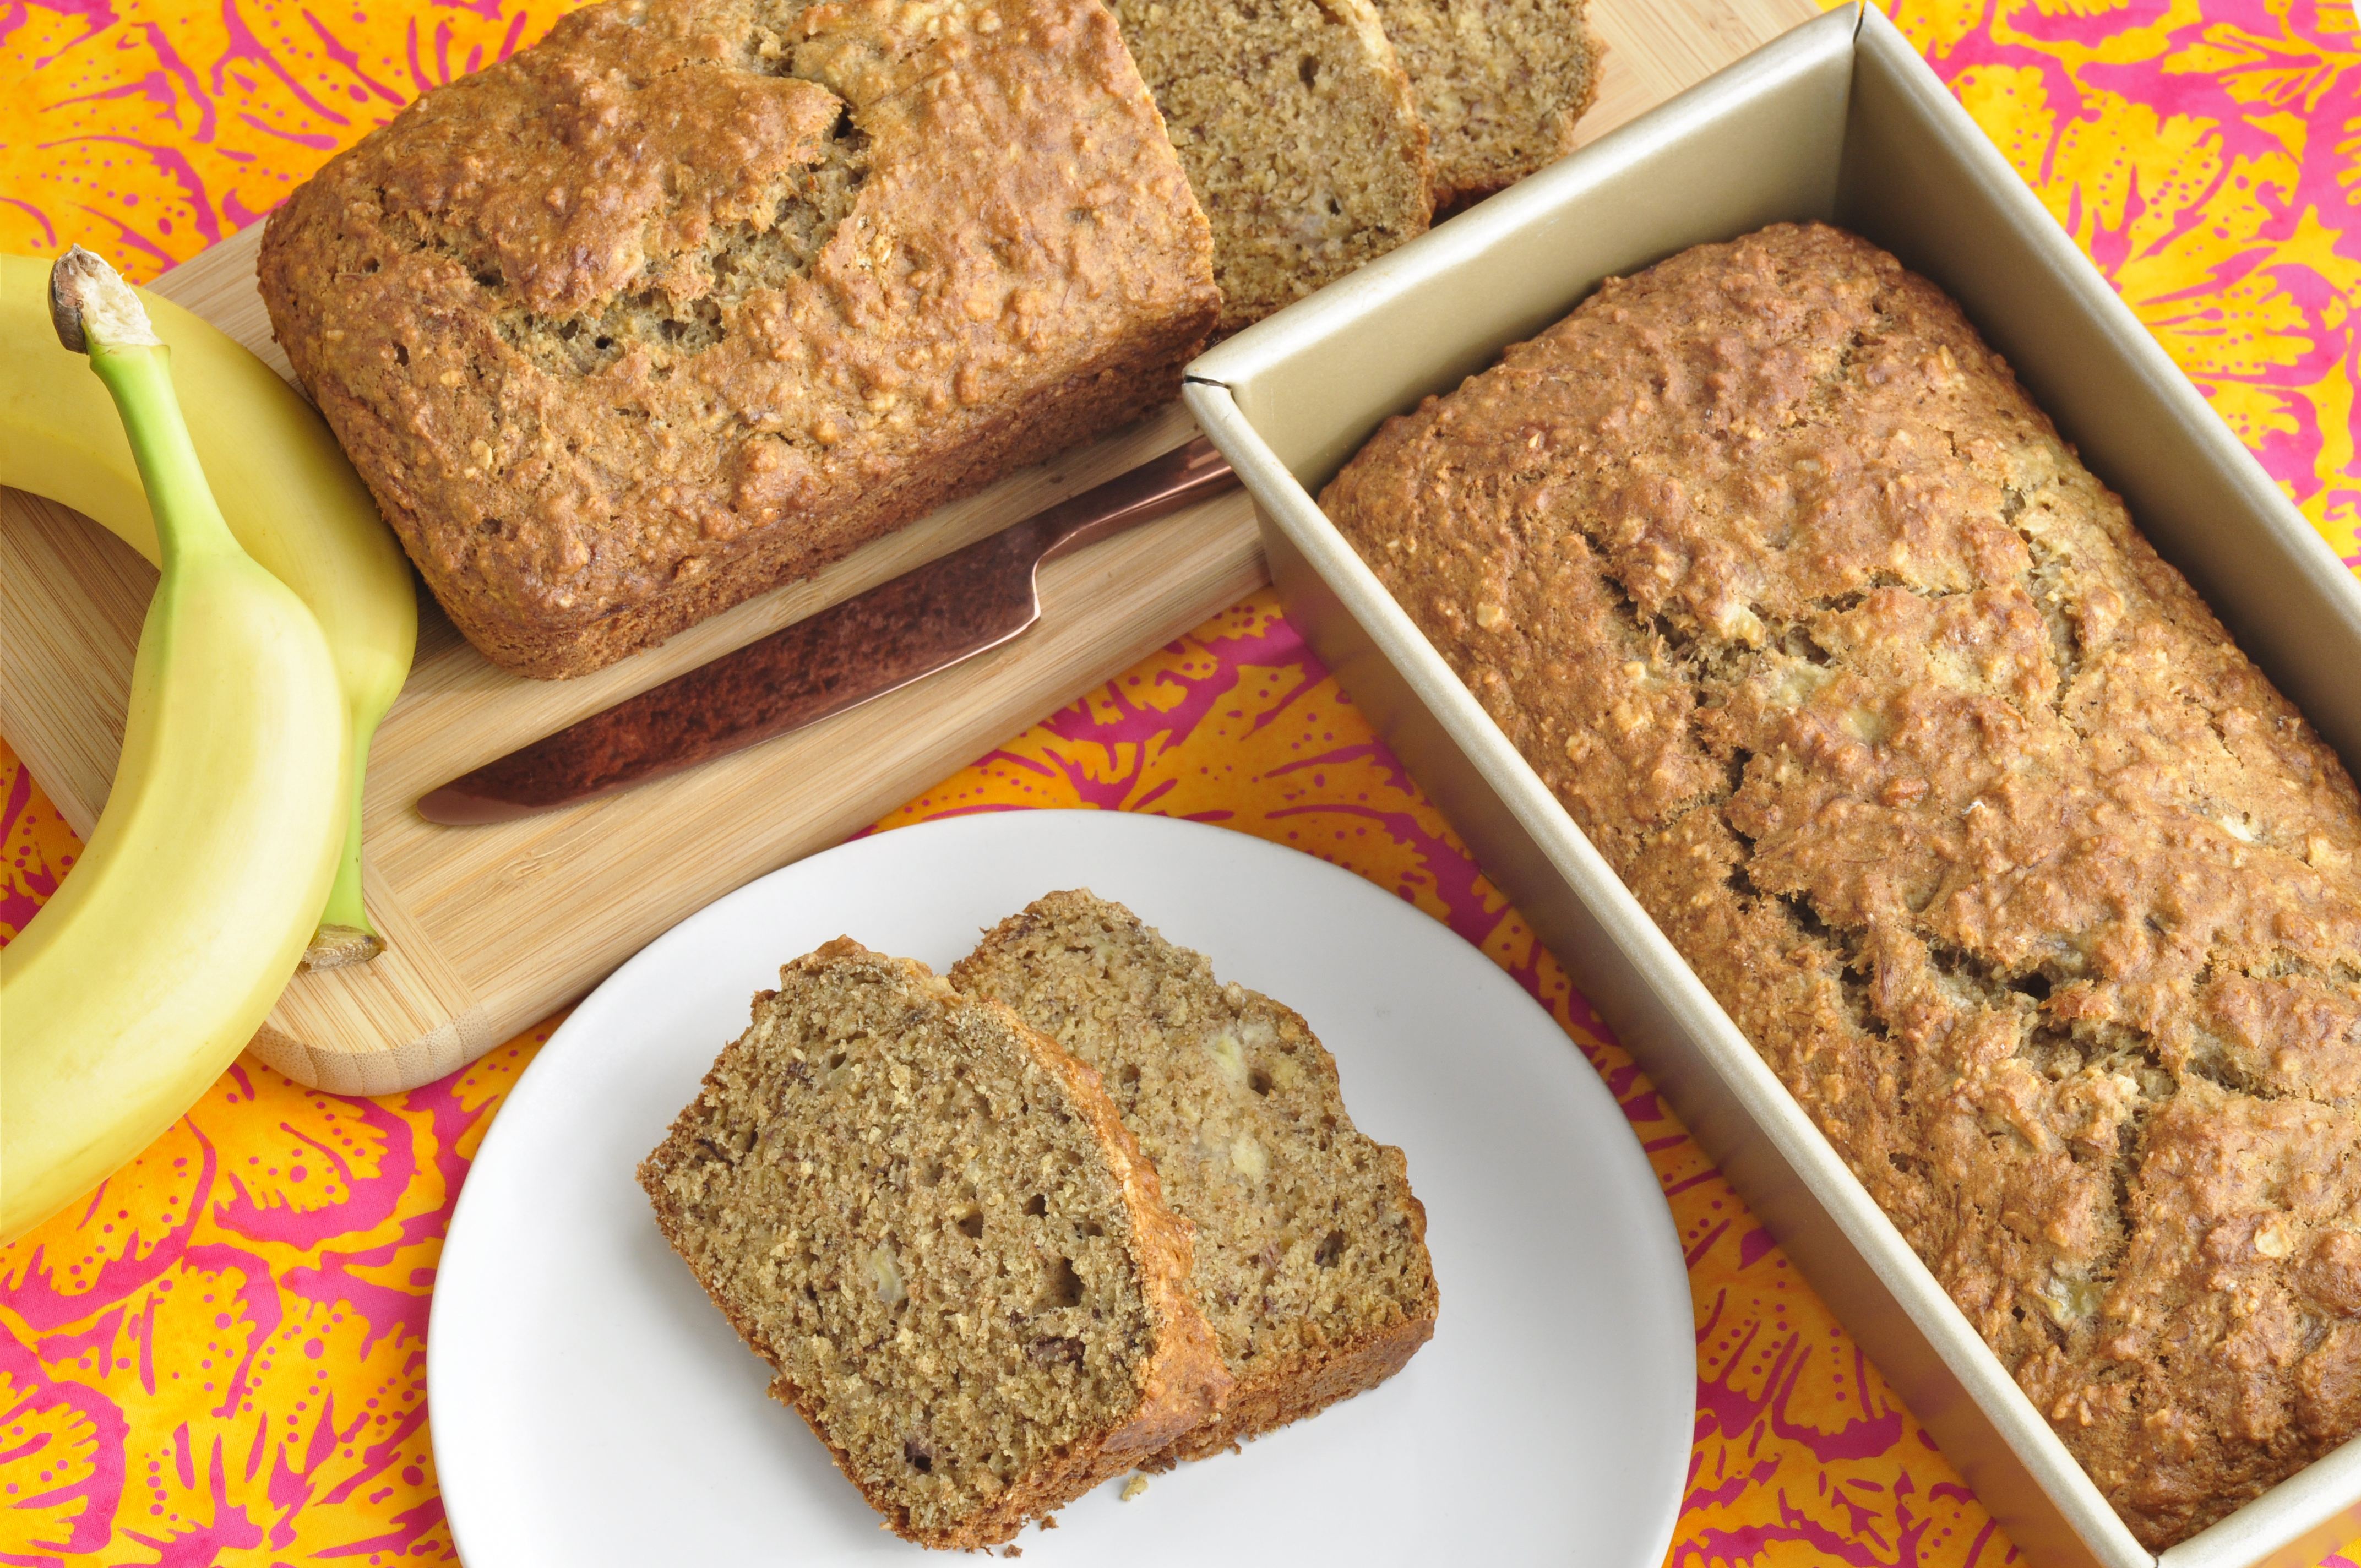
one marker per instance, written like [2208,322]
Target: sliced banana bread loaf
[1499,85]
[1300,134]
[931,1223]
[1311,1257]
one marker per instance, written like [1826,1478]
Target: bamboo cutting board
[492,928]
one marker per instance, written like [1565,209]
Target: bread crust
[694,296]
[1185,1383]
[2038,898]
[1182,1382]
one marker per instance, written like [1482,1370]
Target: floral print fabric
[219,1358]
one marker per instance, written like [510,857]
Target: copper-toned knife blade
[928,619]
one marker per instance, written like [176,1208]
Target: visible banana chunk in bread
[1300,133]
[1311,1253]
[1499,85]
[931,1223]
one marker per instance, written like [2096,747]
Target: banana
[291,500]
[158,957]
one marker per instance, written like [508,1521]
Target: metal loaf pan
[1838,120]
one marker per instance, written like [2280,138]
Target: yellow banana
[158,957]
[292,500]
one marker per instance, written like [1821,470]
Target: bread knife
[950,610]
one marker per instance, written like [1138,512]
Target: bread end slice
[1300,133]
[1499,83]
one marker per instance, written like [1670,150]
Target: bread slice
[1310,1261]
[1298,130]
[931,1223]
[1499,85]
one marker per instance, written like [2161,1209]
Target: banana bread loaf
[1311,1251]
[694,296]
[2039,898]
[931,1223]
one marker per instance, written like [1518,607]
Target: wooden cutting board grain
[493,929]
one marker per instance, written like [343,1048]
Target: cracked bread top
[695,295]
[2039,898]
[932,1223]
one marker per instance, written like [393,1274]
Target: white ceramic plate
[591,1407]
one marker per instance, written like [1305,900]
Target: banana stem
[99,315]
[188,525]
[345,936]
[139,376]
[345,898]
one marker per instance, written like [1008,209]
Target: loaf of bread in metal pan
[694,296]
[2039,898]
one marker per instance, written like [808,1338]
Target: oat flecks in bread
[694,296]
[2040,899]
[1499,85]
[931,1223]
[1310,1261]
[1300,134]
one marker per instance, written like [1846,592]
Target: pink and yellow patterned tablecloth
[220,1358]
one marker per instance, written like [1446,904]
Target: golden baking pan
[1839,120]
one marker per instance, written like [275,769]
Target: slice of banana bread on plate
[931,1223]
[1311,1252]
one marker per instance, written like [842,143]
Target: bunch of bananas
[280,631]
